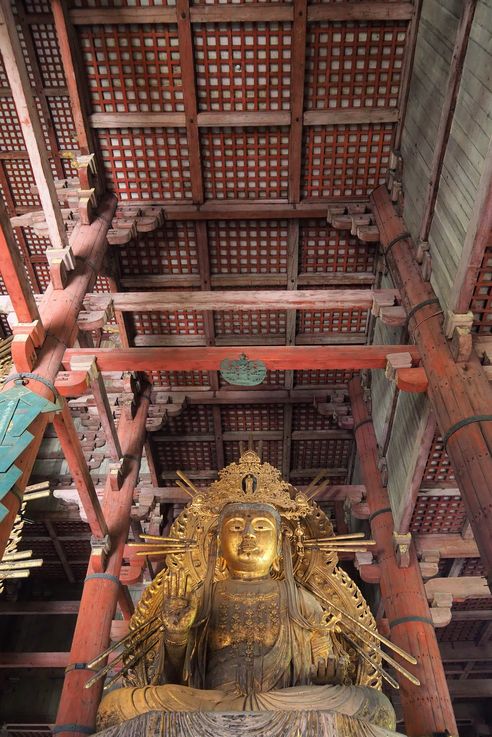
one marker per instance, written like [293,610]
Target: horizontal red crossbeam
[276,358]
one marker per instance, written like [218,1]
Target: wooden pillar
[460,393]
[59,310]
[78,705]
[427,708]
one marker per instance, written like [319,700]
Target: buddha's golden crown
[251,482]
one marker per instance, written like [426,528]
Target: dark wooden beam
[187,64]
[476,240]
[474,688]
[38,608]
[251,210]
[472,615]
[72,451]
[165,281]
[449,545]
[447,114]
[423,444]
[464,651]
[59,551]
[363,10]
[34,660]
[410,45]
[276,358]
[298,65]
[266,12]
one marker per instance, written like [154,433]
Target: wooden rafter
[341,11]
[298,65]
[31,127]
[189,96]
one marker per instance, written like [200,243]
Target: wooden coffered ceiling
[242,141]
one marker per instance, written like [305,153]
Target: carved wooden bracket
[441,592]
[395,361]
[424,258]
[61,262]
[457,328]
[369,571]
[27,337]
[429,563]
[357,218]
[131,220]
[386,307]
[94,319]
[100,549]
[440,609]
[401,544]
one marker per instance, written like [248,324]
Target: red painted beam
[59,310]
[459,392]
[427,708]
[209,358]
[102,589]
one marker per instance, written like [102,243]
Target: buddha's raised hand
[179,607]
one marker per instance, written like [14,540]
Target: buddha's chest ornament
[247,622]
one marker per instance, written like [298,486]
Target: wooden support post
[18,77]
[69,441]
[427,708]
[59,311]
[78,705]
[459,392]
[13,272]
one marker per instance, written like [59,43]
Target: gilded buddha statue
[252,614]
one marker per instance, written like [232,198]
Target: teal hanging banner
[19,406]
[242,371]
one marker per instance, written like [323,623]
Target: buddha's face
[249,539]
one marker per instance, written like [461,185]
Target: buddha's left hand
[328,670]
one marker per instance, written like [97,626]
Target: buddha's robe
[248,655]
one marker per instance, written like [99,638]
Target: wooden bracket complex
[407,378]
[355,217]
[94,319]
[61,262]
[385,307]
[27,337]
[100,549]
[401,544]
[424,259]
[457,328]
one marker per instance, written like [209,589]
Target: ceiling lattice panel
[243,66]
